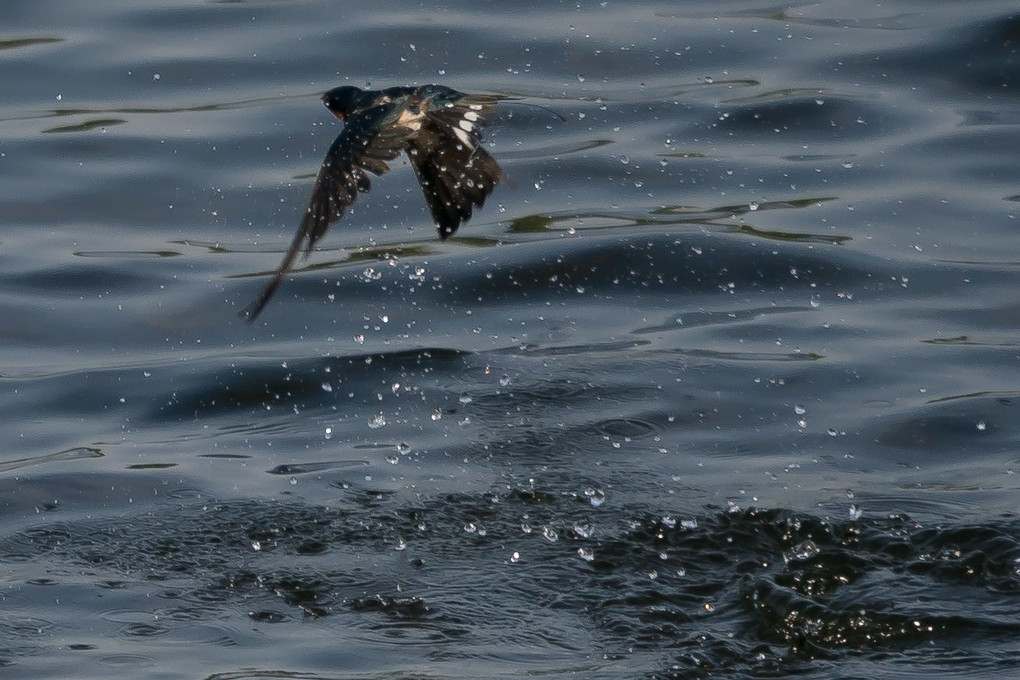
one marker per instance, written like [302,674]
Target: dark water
[723,383]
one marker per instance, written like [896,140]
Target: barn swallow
[439,129]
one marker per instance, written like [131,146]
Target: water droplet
[293,481]
[504,381]
[799,410]
[668,522]
[584,529]
[802,551]
[436,415]
[403,448]
[854,513]
[586,554]
[465,398]
[256,546]
[329,432]
[981,426]
[515,557]
[689,524]
[326,387]
[377,421]
[753,206]
[400,545]
[549,534]
[595,496]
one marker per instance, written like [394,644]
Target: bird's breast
[411,119]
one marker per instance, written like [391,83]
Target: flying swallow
[439,129]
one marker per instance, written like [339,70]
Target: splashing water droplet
[802,551]
[377,421]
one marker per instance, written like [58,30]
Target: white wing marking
[463,137]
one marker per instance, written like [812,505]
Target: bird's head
[342,101]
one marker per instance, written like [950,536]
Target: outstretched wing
[369,139]
[455,172]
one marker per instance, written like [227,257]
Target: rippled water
[721,382]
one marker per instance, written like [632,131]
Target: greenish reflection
[77,453]
[87,125]
[16,43]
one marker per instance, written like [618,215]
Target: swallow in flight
[439,129]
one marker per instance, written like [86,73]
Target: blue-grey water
[722,382]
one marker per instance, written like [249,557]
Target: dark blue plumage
[439,129]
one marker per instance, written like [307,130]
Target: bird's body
[439,129]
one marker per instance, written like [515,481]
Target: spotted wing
[455,172]
[368,140]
